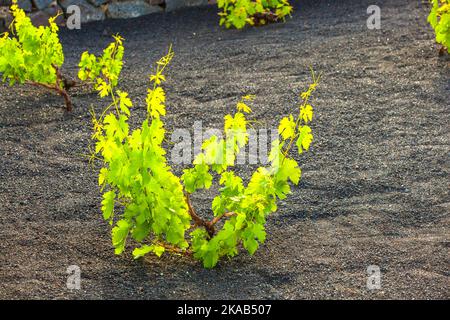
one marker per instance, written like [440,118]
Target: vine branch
[174,249]
[60,89]
[218,218]
[62,86]
[198,221]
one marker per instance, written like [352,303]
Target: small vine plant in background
[439,19]
[238,13]
[33,55]
[145,201]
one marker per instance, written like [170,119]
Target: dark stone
[5,19]
[172,5]
[66,3]
[195,3]
[42,4]
[2,25]
[130,9]
[40,18]
[55,10]
[155,2]
[98,3]
[26,5]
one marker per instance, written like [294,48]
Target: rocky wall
[92,10]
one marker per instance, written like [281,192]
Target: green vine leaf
[305,139]
[119,235]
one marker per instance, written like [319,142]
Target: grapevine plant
[238,13]
[439,18]
[145,201]
[33,55]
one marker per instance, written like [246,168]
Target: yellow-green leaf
[287,127]
[305,138]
